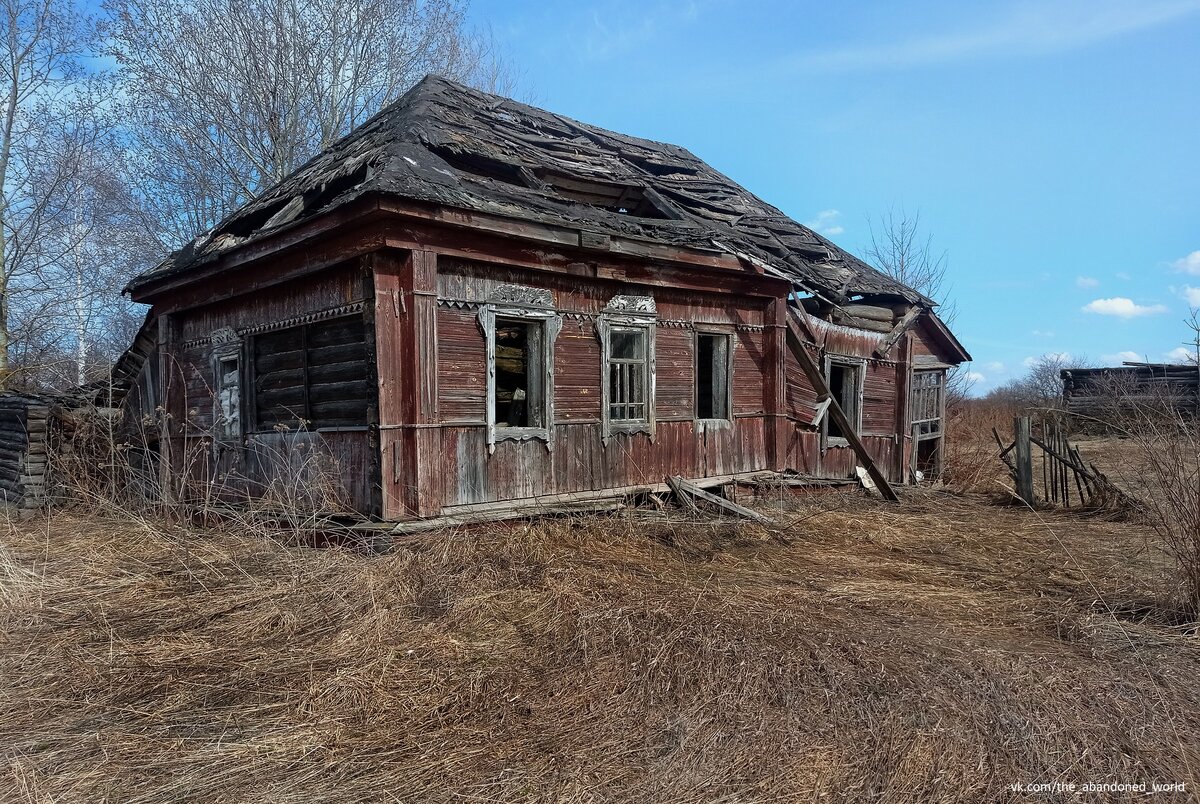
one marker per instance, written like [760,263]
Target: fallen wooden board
[685,489]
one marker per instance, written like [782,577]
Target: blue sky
[1052,148]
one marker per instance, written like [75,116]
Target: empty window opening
[627,375]
[519,400]
[845,386]
[712,376]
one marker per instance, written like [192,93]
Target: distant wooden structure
[1099,393]
[26,421]
[471,305]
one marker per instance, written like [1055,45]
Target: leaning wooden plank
[684,497]
[683,488]
[796,344]
[901,327]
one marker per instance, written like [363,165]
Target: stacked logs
[24,449]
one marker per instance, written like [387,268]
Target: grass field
[939,650]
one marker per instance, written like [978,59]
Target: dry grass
[939,651]
[971,462]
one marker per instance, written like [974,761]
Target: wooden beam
[683,489]
[835,412]
[906,321]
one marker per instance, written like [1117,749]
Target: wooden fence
[1047,468]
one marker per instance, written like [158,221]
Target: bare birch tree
[47,114]
[227,97]
[902,251]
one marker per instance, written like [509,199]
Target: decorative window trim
[228,425]
[860,364]
[533,304]
[706,329]
[625,311]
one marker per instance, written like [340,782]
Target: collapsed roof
[450,145]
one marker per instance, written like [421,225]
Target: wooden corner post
[406,360]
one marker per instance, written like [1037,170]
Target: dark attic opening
[623,199]
[519,393]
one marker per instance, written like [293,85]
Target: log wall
[24,449]
[335,308]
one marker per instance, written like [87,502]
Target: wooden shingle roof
[450,145]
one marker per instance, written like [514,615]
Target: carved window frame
[531,304]
[627,312]
[227,347]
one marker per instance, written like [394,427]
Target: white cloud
[1086,282]
[1122,307]
[1027,29]
[1189,264]
[1122,275]
[1041,333]
[826,223]
[1180,354]
[1121,357]
[995,367]
[1062,357]
[975,376]
[1192,295]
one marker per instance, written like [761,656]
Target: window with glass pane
[627,374]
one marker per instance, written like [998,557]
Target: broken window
[626,331]
[845,386]
[314,375]
[712,376]
[519,400]
[520,336]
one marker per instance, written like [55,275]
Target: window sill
[520,434]
[627,428]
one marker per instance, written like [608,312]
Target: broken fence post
[1024,460]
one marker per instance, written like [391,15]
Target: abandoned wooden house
[469,303]
[1095,396]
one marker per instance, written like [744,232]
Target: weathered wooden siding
[879,399]
[579,460]
[348,456]
[462,369]
[676,375]
[882,407]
